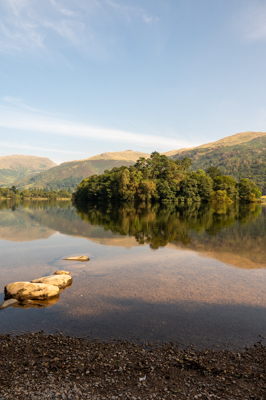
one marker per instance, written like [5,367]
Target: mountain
[69,174]
[16,167]
[242,155]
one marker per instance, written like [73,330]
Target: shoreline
[36,198]
[38,365]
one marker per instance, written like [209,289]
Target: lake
[193,274]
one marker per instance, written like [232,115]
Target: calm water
[189,274]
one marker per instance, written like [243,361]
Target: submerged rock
[8,303]
[79,258]
[62,272]
[30,291]
[59,281]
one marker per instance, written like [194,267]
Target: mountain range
[69,174]
[242,155]
[16,167]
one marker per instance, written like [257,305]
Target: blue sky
[84,77]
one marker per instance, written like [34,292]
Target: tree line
[14,193]
[161,179]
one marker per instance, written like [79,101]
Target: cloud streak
[29,147]
[39,122]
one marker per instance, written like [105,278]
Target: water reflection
[37,303]
[158,225]
[233,233]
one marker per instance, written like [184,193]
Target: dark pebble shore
[39,366]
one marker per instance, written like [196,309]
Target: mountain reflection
[234,234]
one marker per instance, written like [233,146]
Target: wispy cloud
[251,21]
[39,122]
[19,103]
[149,19]
[28,25]
[130,11]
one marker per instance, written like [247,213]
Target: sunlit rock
[80,258]
[59,281]
[8,303]
[62,272]
[30,291]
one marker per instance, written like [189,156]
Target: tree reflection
[158,225]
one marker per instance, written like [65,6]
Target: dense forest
[243,160]
[159,178]
[14,193]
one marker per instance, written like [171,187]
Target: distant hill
[16,167]
[242,155]
[69,174]
[127,155]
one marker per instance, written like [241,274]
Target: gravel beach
[39,366]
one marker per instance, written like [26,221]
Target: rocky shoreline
[40,366]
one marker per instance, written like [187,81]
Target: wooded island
[158,178]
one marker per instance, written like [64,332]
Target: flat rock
[8,303]
[62,272]
[79,258]
[59,281]
[30,291]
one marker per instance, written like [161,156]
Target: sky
[83,77]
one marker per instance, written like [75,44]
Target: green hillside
[16,167]
[240,156]
[69,174]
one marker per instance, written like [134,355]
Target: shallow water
[190,274]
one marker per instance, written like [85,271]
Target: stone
[30,291]
[62,272]
[61,281]
[8,303]
[80,258]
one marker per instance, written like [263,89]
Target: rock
[30,291]
[37,303]
[8,303]
[62,273]
[80,258]
[61,281]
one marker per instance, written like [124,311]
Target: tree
[248,191]
[228,184]
[14,189]
[220,196]
[184,164]
[213,172]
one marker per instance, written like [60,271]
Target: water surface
[170,273]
